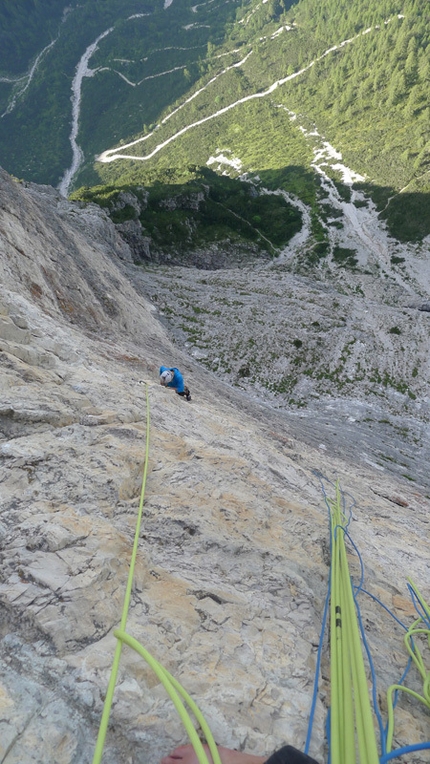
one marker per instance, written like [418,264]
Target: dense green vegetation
[359,72]
[34,136]
[352,94]
[362,97]
[26,26]
[207,208]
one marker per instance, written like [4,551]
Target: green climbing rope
[174,689]
[416,656]
[352,733]
[115,665]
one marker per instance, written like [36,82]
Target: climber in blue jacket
[172,377]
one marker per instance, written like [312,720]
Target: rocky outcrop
[351,363]
[140,244]
[213,256]
[126,199]
[189,243]
[232,564]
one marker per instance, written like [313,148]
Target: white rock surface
[232,565]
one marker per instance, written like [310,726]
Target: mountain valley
[239,189]
[232,569]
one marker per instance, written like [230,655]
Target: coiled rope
[416,656]
[339,513]
[174,689]
[351,714]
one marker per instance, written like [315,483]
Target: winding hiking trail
[111,155]
[27,79]
[362,233]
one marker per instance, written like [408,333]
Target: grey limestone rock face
[183,201]
[128,199]
[232,566]
[140,244]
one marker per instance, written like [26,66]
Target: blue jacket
[178,381]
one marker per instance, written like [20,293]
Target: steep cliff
[232,567]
